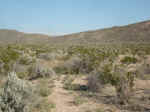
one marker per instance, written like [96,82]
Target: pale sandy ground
[63,100]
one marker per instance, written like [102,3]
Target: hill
[13,36]
[138,33]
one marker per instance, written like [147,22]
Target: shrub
[129,60]
[91,56]
[117,76]
[26,59]
[124,84]
[22,75]
[17,95]
[73,65]
[43,88]
[37,71]
[68,83]
[47,56]
[60,69]
[144,71]
[1,67]
[94,84]
[8,57]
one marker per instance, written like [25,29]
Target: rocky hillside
[138,32]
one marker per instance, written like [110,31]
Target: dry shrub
[144,71]
[26,59]
[47,56]
[117,76]
[52,55]
[37,71]
[124,85]
[71,66]
[94,84]
[43,87]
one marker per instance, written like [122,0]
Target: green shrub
[129,60]
[8,56]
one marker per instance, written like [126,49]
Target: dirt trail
[62,98]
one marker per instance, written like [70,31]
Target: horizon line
[65,34]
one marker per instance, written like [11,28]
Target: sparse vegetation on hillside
[111,74]
[134,33]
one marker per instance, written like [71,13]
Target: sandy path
[62,98]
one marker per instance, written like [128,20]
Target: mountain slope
[139,32]
[13,36]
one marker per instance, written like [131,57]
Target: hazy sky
[56,17]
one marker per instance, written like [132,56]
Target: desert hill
[138,32]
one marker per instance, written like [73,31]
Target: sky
[59,17]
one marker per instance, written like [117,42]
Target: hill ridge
[136,32]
